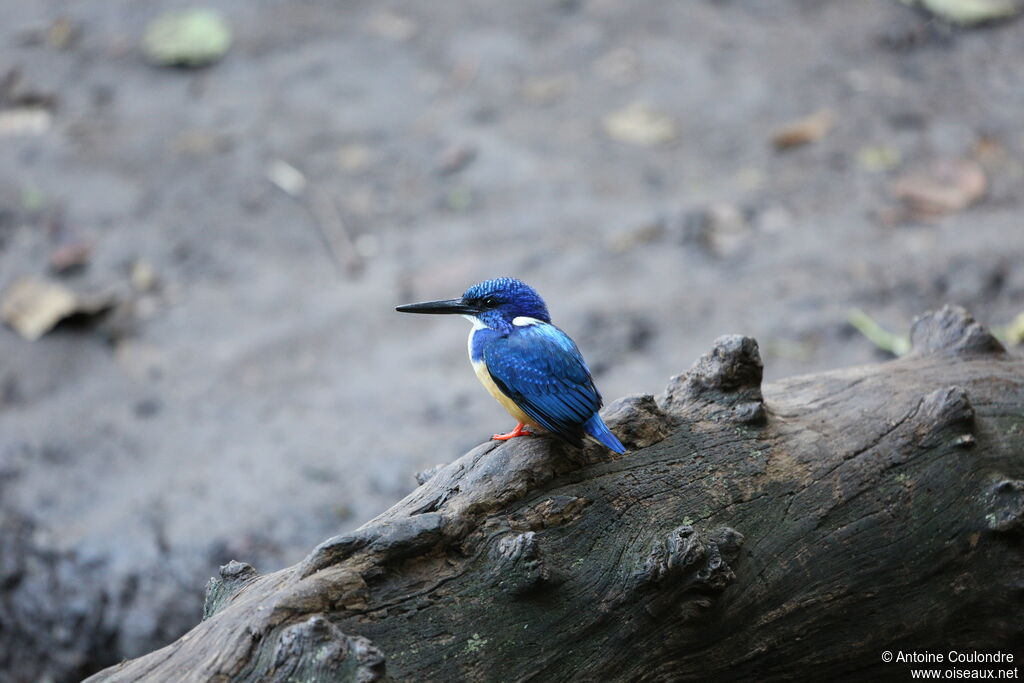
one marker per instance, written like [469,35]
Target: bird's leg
[518,431]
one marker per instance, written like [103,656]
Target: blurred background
[206,220]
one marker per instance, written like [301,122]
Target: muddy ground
[256,398]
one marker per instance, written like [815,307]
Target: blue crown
[511,297]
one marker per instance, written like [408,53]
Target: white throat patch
[478,324]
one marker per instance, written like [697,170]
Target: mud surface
[258,399]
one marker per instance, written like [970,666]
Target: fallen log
[796,533]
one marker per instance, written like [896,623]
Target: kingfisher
[530,366]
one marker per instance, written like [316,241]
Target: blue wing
[540,368]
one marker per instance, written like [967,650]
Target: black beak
[438,307]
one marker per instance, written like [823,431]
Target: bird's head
[493,303]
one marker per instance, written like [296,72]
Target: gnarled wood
[745,535]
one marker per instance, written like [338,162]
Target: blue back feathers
[536,364]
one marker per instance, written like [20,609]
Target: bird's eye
[490,302]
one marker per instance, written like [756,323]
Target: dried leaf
[988,150]
[642,125]
[192,38]
[289,179]
[33,306]
[25,121]
[1015,331]
[804,131]
[878,158]
[143,276]
[944,187]
[896,344]
[972,12]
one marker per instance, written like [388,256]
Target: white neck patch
[524,321]
[478,324]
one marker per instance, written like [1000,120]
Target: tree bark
[801,532]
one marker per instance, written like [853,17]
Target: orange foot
[518,431]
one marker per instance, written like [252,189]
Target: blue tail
[596,428]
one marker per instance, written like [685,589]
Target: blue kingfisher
[530,366]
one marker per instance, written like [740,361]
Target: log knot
[1006,506]
[637,421]
[688,559]
[951,330]
[317,650]
[219,590]
[724,384]
[519,568]
[946,414]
